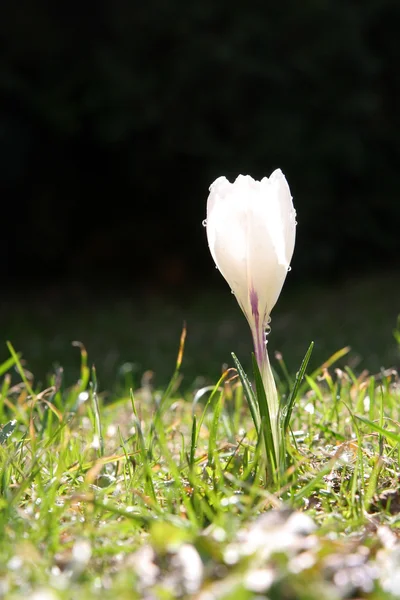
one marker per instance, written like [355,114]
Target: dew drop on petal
[204,222]
[289,269]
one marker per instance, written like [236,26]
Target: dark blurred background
[115,117]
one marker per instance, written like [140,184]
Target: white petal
[227,214]
[251,234]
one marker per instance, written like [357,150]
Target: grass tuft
[161,493]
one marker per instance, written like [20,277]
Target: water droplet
[216,266]
[204,222]
[232,292]
[289,269]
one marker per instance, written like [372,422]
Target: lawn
[115,483]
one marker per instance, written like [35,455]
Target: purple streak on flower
[254,303]
[258,334]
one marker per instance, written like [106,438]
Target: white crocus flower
[251,228]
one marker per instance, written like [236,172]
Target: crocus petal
[251,235]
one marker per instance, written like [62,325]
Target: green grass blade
[96,411]
[175,474]
[311,485]
[286,409]
[165,400]
[373,483]
[215,389]
[7,364]
[7,430]
[265,420]
[141,445]
[212,444]
[328,363]
[85,370]
[193,441]
[396,331]
[15,358]
[248,390]
[384,432]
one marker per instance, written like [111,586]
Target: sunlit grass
[162,494]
